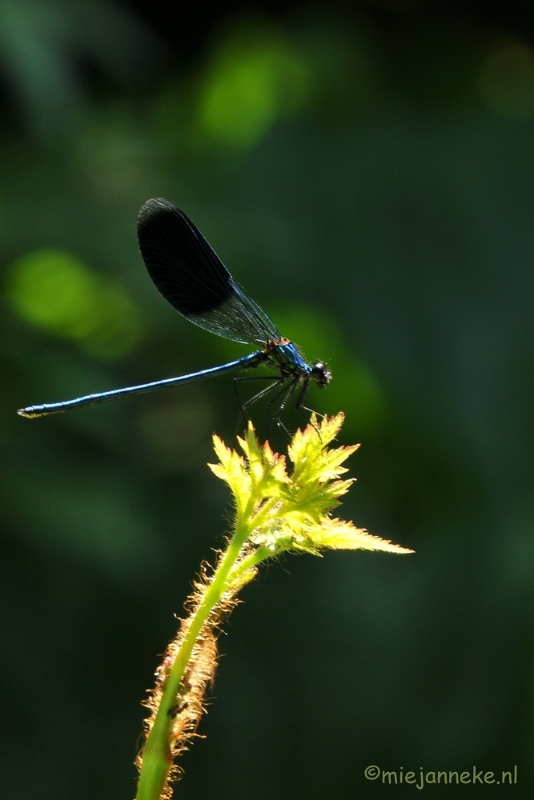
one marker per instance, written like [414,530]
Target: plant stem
[157,756]
[251,561]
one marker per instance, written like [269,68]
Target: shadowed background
[366,171]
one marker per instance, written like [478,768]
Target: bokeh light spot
[251,83]
[56,292]
[506,80]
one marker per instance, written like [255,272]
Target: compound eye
[320,373]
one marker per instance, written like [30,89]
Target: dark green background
[369,179]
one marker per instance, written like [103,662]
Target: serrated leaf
[339,535]
[293,511]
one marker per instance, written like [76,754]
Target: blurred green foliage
[252,81]
[507,79]
[367,175]
[55,291]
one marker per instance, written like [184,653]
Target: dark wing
[193,279]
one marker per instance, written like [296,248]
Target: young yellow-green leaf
[267,470]
[282,511]
[338,535]
[232,469]
[308,444]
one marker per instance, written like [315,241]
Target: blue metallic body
[193,279]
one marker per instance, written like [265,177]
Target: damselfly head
[320,373]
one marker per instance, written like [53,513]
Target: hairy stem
[157,756]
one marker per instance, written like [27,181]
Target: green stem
[252,560]
[157,756]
